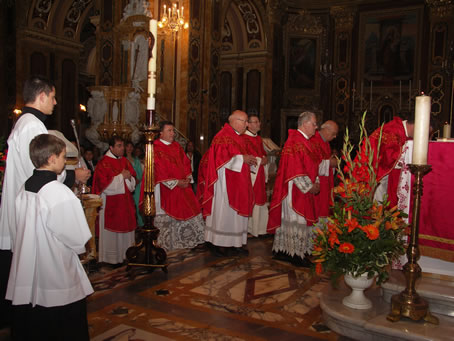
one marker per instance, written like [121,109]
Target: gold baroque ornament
[344,18]
[304,22]
[441,8]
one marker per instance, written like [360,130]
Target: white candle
[421,130]
[151,102]
[447,130]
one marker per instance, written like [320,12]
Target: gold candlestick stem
[408,303]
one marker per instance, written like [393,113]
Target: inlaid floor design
[207,298]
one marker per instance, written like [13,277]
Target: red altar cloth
[436,224]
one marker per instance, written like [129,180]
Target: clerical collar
[307,138]
[112,155]
[167,143]
[250,133]
[39,114]
[39,178]
[405,127]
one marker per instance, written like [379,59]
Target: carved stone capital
[344,18]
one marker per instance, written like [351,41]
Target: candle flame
[17,112]
[82,107]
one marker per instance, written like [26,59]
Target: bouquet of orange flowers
[362,235]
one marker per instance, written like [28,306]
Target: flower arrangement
[362,235]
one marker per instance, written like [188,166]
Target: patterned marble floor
[207,298]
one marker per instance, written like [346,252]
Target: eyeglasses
[239,119]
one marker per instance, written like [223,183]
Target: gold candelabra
[172,18]
[153,255]
[408,303]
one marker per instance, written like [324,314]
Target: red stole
[225,145]
[254,146]
[120,210]
[392,143]
[171,163]
[298,158]
[323,201]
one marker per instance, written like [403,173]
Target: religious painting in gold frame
[389,46]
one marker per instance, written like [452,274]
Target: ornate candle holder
[408,303]
[152,256]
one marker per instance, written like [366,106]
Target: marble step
[372,325]
[438,292]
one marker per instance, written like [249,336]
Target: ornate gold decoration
[344,18]
[306,23]
[441,8]
[408,303]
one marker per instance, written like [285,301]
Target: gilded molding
[441,8]
[304,22]
[344,18]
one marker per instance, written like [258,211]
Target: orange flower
[346,248]
[318,268]
[351,224]
[371,231]
[333,239]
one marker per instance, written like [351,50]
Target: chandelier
[172,18]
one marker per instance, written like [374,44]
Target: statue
[97,109]
[132,110]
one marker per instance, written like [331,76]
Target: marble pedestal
[371,324]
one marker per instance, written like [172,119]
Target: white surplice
[225,227]
[113,245]
[51,232]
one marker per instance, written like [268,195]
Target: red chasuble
[171,163]
[254,146]
[323,201]
[298,158]
[392,143]
[120,210]
[226,144]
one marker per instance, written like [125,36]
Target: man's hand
[126,174]
[264,160]
[315,189]
[333,161]
[82,174]
[250,160]
[183,183]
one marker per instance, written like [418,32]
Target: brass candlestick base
[408,303]
[152,256]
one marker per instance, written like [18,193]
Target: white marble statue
[137,7]
[139,62]
[97,109]
[132,110]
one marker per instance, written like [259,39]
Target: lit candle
[182,9]
[447,130]
[421,130]
[151,100]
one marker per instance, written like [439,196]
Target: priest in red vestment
[178,213]
[323,201]
[257,222]
[228,197]
[114,179]
[292,209]
[394,135]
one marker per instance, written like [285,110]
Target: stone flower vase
[357,299]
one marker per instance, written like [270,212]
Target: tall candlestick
[421,130]
[447,130]
[400,96]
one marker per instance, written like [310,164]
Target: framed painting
[302,62]
[389,45]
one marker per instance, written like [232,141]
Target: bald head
[238,121]
[329,130]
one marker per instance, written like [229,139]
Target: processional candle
[151,100]
[421,130]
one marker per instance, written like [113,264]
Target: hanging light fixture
[172,18]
